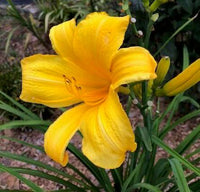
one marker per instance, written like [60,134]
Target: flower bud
[154,6]
[186,79]
[161,71]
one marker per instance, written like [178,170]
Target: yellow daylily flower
[186,79]
[88,70]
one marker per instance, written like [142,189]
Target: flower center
[92,93]
[72,85]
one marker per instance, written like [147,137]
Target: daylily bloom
[88,70]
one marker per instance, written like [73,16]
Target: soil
[7,181]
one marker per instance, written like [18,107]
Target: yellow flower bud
[145,3]
[161,71]
[186,79]
[154,6]
[137,89]
[155,17]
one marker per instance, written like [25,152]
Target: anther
[73,78]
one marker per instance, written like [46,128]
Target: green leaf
[31,114]
[42,150]
[19,123]
[174,154]
[13,110]
[179,175]
[192,153]
[169,108]
[46,21]
[145,138]
[194,186]
[187,142]
[186,60]
[144,185]
[99,173]
[29,183]
[39,164]
[179,121]
[160,171]
[9,39]
[47,176]
[128,180]
[191,100]
[187,5]
[175,33]
[23,143]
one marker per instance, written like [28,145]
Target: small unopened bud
[135,101]
[133,20]
[155,17]
[150,103]
[140,33]
[161,71]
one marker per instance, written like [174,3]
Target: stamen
[73,78]
[72,86]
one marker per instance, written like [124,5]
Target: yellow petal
[107,133]
[97,38]
[161,71]
[61,131]
[43,81]
[186,79]
[131,65]
[61,37]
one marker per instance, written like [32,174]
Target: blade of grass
[38,164]
[179,175]
[46,21]
[144,185]
[175,33]
[18,123]
[31,114]
[191,100]
[187,142]
[10,35]
[97,172]
[168,109]
[23,143]
[29,183]
[42,150]
[174,154]
[186,60]
[192,153]
[13,110]
[47,176]
[180,120]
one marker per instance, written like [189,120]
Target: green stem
[175,33]
[134,28]
[128,105]
[148,31]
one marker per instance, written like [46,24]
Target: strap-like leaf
[174,154]
[144,185]
[179,175]
[29,183]
[187,142]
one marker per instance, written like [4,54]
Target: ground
[35,137]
